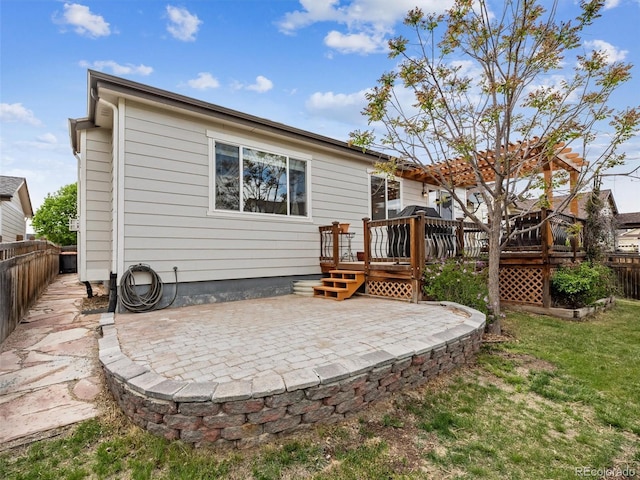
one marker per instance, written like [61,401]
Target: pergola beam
[461,173]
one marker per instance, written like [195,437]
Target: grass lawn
[558,400]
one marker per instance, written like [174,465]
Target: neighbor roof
[10,186]
[606,196]
[628,220]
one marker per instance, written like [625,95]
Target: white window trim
[235,140]
[372,173]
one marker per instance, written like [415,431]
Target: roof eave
[25,199]
[98,81]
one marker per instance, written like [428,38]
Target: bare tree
[485,98]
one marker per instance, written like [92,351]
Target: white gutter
[82,212]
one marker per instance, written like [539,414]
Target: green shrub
[581,285]
[461,282]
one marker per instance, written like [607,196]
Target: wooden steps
[340,284]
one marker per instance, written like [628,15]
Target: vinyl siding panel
[98,204]
[166,214]
[13,219]
[412,193]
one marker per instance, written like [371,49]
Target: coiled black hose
[148,300]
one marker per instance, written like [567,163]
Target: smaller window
[297,187]
[227,186]
[442,202]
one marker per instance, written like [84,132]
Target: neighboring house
[628,225]
[15,208]
[232,200]
[609,210]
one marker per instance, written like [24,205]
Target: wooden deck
[396,251]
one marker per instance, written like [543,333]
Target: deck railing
[399,248]
[330,243]
[532,232]
[391,240]
[405,240]
[26,268]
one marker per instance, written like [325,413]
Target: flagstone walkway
[49,375]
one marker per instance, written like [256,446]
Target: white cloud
[313,11]
[86,23]
[46,142]
[609,4]
[49,138]
[118,69]
[16,112]
[342,107]
[355,42]
[611,53]
[263,84]
[467,68]
[204,81]
[183,25]
[367,21]
[553,84]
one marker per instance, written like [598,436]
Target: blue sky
[303,63]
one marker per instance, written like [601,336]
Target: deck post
[460,237]
[366,232]
[417,233]
[575,239]
[546,238]
[419,260]
[335,231]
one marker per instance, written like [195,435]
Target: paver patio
[239,372]
[239,340]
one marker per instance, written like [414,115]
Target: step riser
[341,284]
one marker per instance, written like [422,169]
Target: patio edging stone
[241,413]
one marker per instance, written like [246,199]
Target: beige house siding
[13,220]
[629,241]
[146,183]
[168,222]
[97,198]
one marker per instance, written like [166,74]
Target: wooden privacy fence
[627,269]
[26,268]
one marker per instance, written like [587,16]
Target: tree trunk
[493,323]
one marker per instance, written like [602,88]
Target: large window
[252,180]
[385,198]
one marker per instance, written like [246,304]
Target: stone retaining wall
[244,413]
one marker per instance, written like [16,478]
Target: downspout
[82,215]
[115,192]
